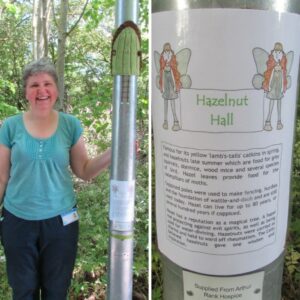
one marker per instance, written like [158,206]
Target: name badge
[70,217]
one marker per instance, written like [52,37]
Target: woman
[40,227]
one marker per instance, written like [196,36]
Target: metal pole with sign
[225,76]
[125,69]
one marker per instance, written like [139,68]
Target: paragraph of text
[221,202]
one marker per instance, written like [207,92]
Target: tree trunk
[40,27]
[35,17]
[46,10]
[60,64]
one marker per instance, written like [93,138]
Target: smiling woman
[40,220]
[40,88]
[41,91]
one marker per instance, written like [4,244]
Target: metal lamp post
[122,181]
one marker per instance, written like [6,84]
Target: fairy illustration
[273,77]
[172,77]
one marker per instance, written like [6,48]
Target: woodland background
[76,35]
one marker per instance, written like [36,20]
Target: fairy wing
[183,58]
[157,67]
[260,57]
[290,59]
[156,61]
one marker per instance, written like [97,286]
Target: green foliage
[97,11]
[292,262]
[4,287]
[15,39]
[157,283]
[90,274]
[292,258]
[90,268]
[141,225]
[7,110]
[291,287]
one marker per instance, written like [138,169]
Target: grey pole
[173,274]
[122,181]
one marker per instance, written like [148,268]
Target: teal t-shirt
[40,185]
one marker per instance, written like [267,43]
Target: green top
[40,184]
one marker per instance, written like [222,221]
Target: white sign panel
[223,105]
[122,195]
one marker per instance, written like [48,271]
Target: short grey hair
[42,65]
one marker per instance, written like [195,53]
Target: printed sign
[247,287]
[221,110]
[121,209]
[206,213]
[223,105]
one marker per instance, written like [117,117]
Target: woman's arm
[4,169]
[86,168]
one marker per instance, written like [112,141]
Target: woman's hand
[84,167]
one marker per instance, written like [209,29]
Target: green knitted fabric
[126,51]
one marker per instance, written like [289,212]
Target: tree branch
[53,13]
[80,17]
[22,21]
[88,64]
